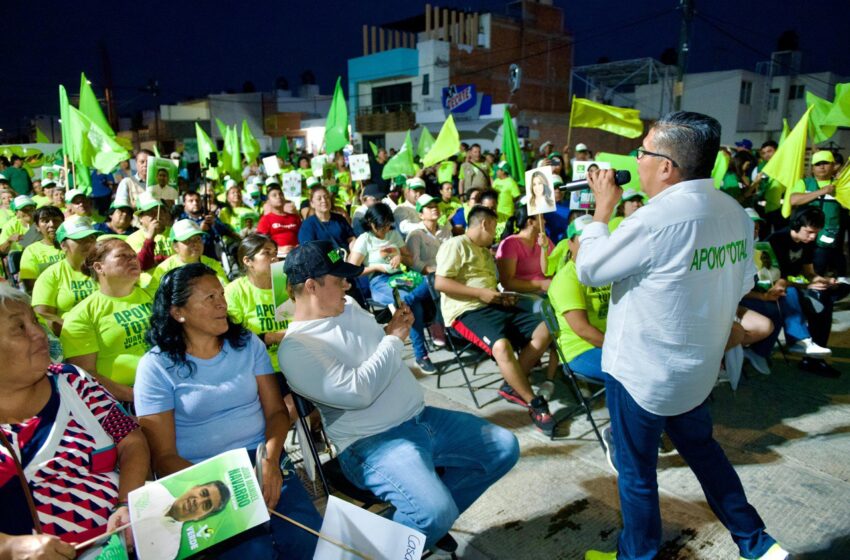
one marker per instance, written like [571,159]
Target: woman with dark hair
[521,256]
[324,224]
[382,252]
[250,301]
[105,333]
[207,386]
[41,254]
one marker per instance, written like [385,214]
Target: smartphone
[397,298]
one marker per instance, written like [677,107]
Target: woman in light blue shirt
[207,386]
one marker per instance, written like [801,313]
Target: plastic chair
[584,404]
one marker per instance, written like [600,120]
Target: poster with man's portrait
[191,510]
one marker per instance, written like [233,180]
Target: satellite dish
[514,77]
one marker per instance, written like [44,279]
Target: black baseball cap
[315,259]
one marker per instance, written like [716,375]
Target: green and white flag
[196,508]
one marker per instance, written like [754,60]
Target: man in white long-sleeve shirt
[679,266]
[390,443]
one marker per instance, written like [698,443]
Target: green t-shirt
[173,262]
[447,210]
[566,293]
[162,245]
[254,308]
[61,287]
[114,328]
[6,214]
[40,200]
[13,227]
[463,261]
[508,190]
[233,216]
[37,257]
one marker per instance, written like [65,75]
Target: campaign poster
[583,200]
[191,510]
[359,166]
[292,186]
[539,190]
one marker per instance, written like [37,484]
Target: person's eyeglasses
[644,152]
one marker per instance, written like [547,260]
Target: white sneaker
[807,347]
[546,390]
[608,440]
[775,552]
[759,363]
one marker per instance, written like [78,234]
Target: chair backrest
[15,262]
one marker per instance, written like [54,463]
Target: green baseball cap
[578,225]
[424,201]
[22,201]
[504,166]
[146,202]
[183,230]
[75,228]
[631,194]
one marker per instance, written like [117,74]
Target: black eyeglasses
[644,152]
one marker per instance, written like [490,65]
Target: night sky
[193,51]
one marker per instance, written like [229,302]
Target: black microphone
[621,177]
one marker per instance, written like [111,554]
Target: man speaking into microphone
[678,266]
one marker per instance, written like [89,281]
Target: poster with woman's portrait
[539,190]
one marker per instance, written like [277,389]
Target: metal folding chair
[584,404]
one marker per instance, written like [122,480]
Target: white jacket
[679,266]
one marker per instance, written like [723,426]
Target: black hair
[487,195]
[479,214]
[223,491]
[738,164]
[469,192]
[378,215]
[174,291]
[808,216]
[692,140]
[145,151]
[517,222]
[47,212]
[250,246]
[770,144]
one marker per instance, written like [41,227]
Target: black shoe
[447,543]
[507,392]
[819,367]
[540,416]
[426,365]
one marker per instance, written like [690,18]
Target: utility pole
[687,7]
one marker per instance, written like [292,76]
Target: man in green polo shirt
[18,177]
[819,191]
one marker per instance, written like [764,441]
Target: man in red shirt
[281,226]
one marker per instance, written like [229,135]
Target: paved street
[786,434]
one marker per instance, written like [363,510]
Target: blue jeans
[785,313]
[636,433]
[589,364]
[399,466]
[278,538]
[383,294]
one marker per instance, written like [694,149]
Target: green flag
[425,142]
[616,120]
[250,145]
[156,150]
[820,109]
[222,128]
[231,155]
[787,164]
[336,127]
[205,146]
[786,130]
[374,148]
[65,119]
[511,149]
[93,147]
[283,149]
[721,166]
[402,162]
[839,115]
[446,145]
[90,106]
[41,137]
